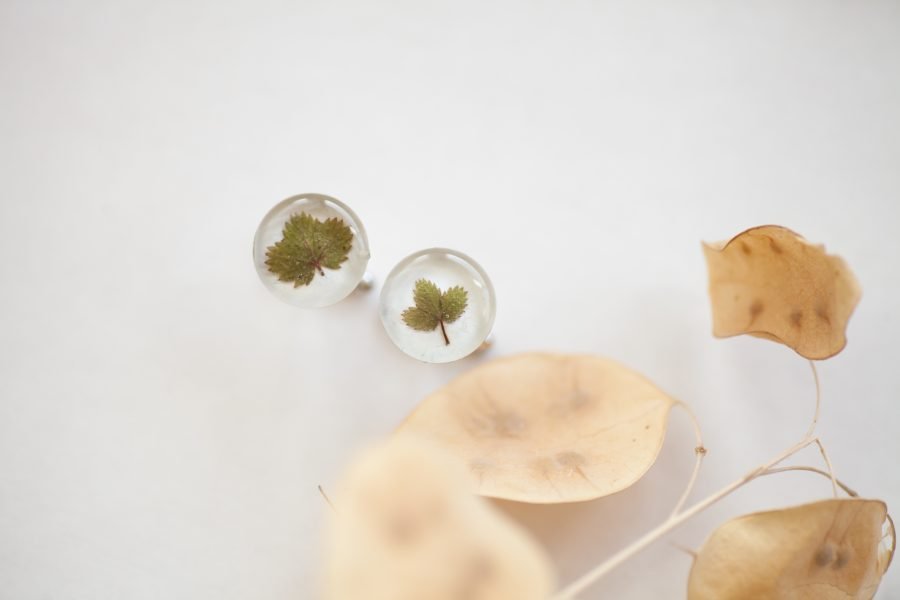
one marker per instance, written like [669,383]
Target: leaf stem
[583,582]
[677,518]
[850,491]
[834,484]
[444,331]
[326,498]
[699,452]
[815,421]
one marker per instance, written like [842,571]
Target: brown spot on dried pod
[843,557]
[825,555]
[756,309]
[571,459]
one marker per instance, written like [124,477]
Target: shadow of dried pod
[829,550]
[770,282]
[407,527]
[547,428]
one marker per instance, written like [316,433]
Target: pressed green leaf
[336,239]
[308,246]
[435,308]
[427,297]
[419,319]
[453,303]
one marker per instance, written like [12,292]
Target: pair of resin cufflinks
[437,305]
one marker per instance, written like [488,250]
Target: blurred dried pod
[770,282]
[834,549]
[547,428]
[408,527]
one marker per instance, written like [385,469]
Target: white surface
[164,420]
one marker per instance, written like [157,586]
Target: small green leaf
[307,246]
[434,308]
[419,319]
[427,297]
[453,303]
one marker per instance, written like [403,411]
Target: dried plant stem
[850,491]
[583,582]
[815,421]
[834,485]
[677,518]
[328,500]
[690,552]
[699,452]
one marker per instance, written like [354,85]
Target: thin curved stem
[850,491]
[676,519]
[586,580]
[690,552]
[834,486]
[327,499]
[815,421]
[699,451]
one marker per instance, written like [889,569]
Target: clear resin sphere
[438,305]
[311,250]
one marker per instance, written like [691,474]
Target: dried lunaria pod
[770,282]
[547,428]
[408,527]
[829,550]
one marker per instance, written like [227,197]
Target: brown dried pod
[548,428]
[770,282]
[407,527]
[828,550]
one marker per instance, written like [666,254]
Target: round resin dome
[438,305]
[311,250]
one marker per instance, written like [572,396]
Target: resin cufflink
[311,251]
[438,305]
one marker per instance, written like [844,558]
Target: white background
[164,421]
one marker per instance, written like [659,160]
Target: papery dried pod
[548,428]
[407,527]
[828,550]
[770,282]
